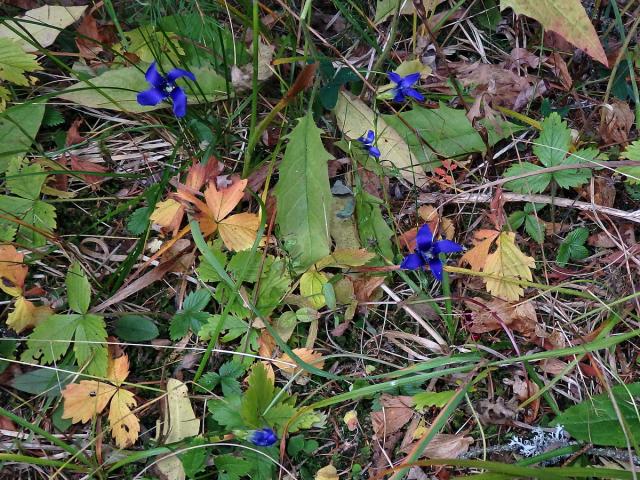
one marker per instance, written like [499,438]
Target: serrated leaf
[21,124]
[25,180]
[275,282]
[78,289]
[509,264]
[516,219]
[529,184]
[572,247]
[226,412]
[311,284]
[257,397]
[205,270]
[26,315]
[386,8]
[89,347]
[194,458]
[354,118]
[234,326]
[231,467]
[553,143]
[444,132]
[303,195]
[50,340]
[138,221]
[247,263]
[576,176]
[14,62]
[631,173]
[567,18]
[534,228]
[35,213]
[117,90]
[596,420]
[423,400]
[40,26]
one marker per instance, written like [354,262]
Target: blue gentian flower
[163,87]
[404,87]
[265,437]
[428,252]
[367,142]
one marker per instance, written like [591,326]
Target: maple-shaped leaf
[13,271]
[509,263]
[238,232]
[88,398]
[476,257]
[26,315]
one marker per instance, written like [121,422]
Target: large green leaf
[354,118]
[117,89]
[444,131]
[595,419]
[21,124]
[304,196]
[50,339]
[567,18]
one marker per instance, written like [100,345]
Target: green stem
[28,459]
[246,167]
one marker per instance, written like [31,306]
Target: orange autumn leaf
[13,271]
[476,257]
[88,398]
[286,364]
[238,232]
[26,315]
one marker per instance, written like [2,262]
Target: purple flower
[428,252]
[404,87]
[367,142]
[265,437]
[163,87]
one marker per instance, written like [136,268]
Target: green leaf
[7,351]
[52,117]
[530,184]
[78,289]
[257,397]
[578,176]
[25,180]
[21,124]
[231,467]
[595,419]
[89,347]
[572,247]
[136,328]
[234,326]
[275,282]
[295,445]
[193,460]
[632,173]
[444,133]
[516,219]
[139,220]
[279,415]
[553,143]
[190,317]
[423,400]
[308,419]
[226,377]
[50,339]
[375,234]
[14,62]
[150,45]
[303,195]
[41,380]
[205,270]
[117,89]
[534,228]
[226,412]
[246,263]
[285,325]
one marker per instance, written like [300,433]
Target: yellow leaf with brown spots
[510,265]
[26,315]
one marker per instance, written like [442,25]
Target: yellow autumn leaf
[307,355]
[311,284]
[13,271]
[238,232]
[125,426]
[88,398]
[327,473]
[509,263]
[27,315]
[166,212]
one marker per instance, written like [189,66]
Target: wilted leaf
[520,317]
[13,271]
[354,118]
[445,445]
[567,18]
[26,315]
[509,263]
[307,355]
[616,122]
[42,26]
[327,473]
[303,195]
[395,413]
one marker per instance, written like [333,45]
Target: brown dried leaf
[89,47]
[307,355]
[444,445]
[396,412]
[616,122]
[520,317]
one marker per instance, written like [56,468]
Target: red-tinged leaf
[86,166]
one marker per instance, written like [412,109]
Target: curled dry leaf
[13,271]
[616,122]
[444,445]
[396,412]
[307,355]
[519,317]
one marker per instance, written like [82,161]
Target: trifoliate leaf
[572,247]
[509,264]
